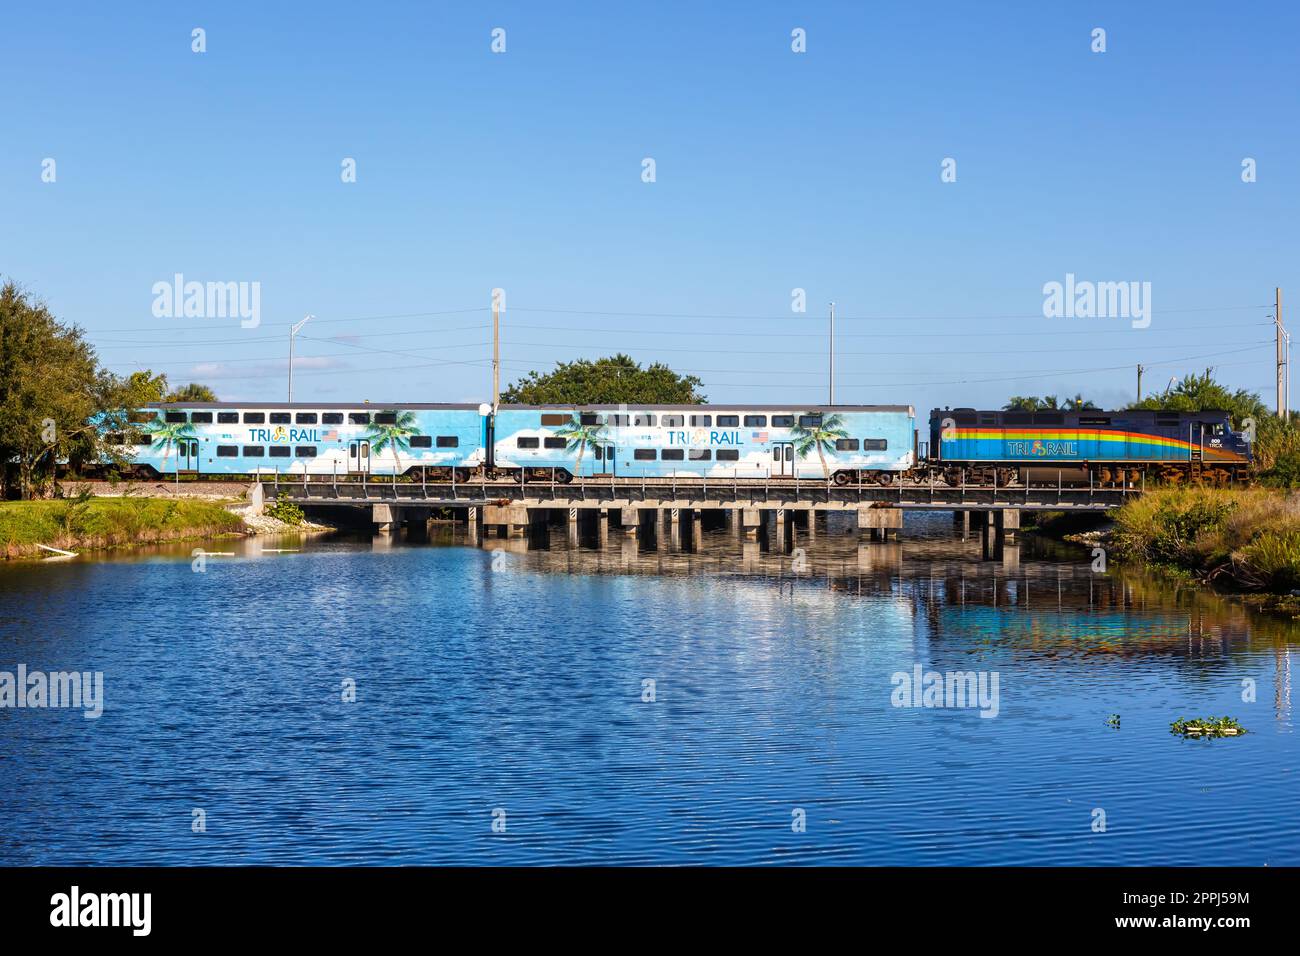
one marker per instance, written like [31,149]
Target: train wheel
[953,476]
[842,478]
[563,476]
[463,474]
[884,478]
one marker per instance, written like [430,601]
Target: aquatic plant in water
[1207,727]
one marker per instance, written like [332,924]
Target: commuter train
[846,444]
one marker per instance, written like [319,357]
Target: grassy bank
[107,522]
[1246,539]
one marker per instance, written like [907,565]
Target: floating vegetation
[1207,727]
[1113,721]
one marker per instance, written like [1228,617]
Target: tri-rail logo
[74,908]
[282,434]
[702,437]
[1043,449]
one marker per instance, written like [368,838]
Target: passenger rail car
[1086,446]
[347,440]
[844,443]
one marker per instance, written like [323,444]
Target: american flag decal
[759,436]
[332,435]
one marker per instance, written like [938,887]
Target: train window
[254,418]
[331,418]
[699,454]
[672,454]
[139,418]
[175,416]
[448,441]
[228,418]
[201,418]
[728,454]
[227,451]
[385,418]
[553,419]
[142,439]
[810,421]
[1010,418]
[305,451]
[591,418]
[776,452]
[728,421]
[254,451]
[643,454]
[421,441]
[305,418]
[525,442]
[782,421]
[618,421]
[279,451]
[1049,418]
[988,418]
[643,419]
[701,421]
[550,442]
[674,421]
[599,452]
[755,421]
[1102,420]
[874,444]
[280,418]
[970,418]
[846,444]
[358,418]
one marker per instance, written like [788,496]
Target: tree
[820,437]
[56,402]
[581,437]
[1049,403]
[193,392]
[606,381]
[394,435]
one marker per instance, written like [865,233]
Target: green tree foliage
[1049,403]
[56,402]
[193,392]
[605,381]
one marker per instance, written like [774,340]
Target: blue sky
[774,171]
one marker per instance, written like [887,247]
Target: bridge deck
[626,492]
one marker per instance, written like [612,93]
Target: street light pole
[831,397]
[293,331]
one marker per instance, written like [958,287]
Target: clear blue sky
[775,171]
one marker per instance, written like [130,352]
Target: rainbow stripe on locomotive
[967,444]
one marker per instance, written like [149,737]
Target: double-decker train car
[842,442]
[1086,446]
[225,438]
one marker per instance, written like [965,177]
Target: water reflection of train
[846,444]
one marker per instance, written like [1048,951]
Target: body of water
[532,702]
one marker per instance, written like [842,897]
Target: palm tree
[394,435]
[821,437]
[581,437]
[165,434]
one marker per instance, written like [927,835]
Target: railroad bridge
[633,505]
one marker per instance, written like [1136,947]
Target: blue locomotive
[1086,445]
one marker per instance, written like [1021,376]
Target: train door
[783,459]
[605,463]
[359,457]
[187,455]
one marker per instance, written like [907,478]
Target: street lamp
[294,330]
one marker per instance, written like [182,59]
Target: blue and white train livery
[844,443]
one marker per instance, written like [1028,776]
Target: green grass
[1246,538]
[107,522]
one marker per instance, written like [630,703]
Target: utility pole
[496,350]
[1283,372]
[293,331]
[1140,371]
[831,398]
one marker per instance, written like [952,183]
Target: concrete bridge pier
[751,519]
[602,527]
[384,517]
[961,521]
[510,520]
[879,522]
